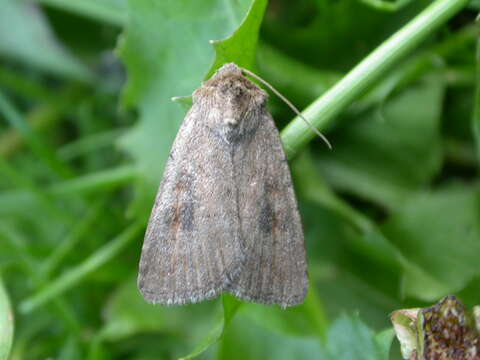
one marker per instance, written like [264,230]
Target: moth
[225,217]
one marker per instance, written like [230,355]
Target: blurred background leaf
[390,215]
[392,150]
[26,36]
[110,11]
[6,324]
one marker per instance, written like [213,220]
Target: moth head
[229,88]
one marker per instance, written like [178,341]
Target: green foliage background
[391,215]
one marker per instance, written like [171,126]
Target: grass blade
[41,149]
[6,324]
[79,272]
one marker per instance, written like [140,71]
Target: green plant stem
[476,109]
[322,111]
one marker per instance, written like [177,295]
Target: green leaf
[110,11]
[439,231]
[308,319]
[70,350]
[246,340]
[230,307]
[6,324]
[128,314]
[474,4]
[34,43]
[167,53]
[345,277]
[350,339]
[387,154]
[384,341]
[241,46]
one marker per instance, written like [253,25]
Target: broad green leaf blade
[384,342]
[70,350]
[440,233]
[350,339]
[110,11]
[241,47]
[167,53]
[6,324]
[308,319]
[127,314]
[369,242]
[246,340]
[230,307]
[390,152]
[33,43]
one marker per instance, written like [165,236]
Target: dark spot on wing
[180,215]
[187,216]
[169,216]
[267,217]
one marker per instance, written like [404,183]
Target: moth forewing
[225,218]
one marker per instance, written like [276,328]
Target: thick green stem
[322,111]
[476,109]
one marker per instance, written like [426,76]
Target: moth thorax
[232,117]
[230,121]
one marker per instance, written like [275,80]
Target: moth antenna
[286,101]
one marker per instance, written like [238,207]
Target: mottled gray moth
[225,218]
